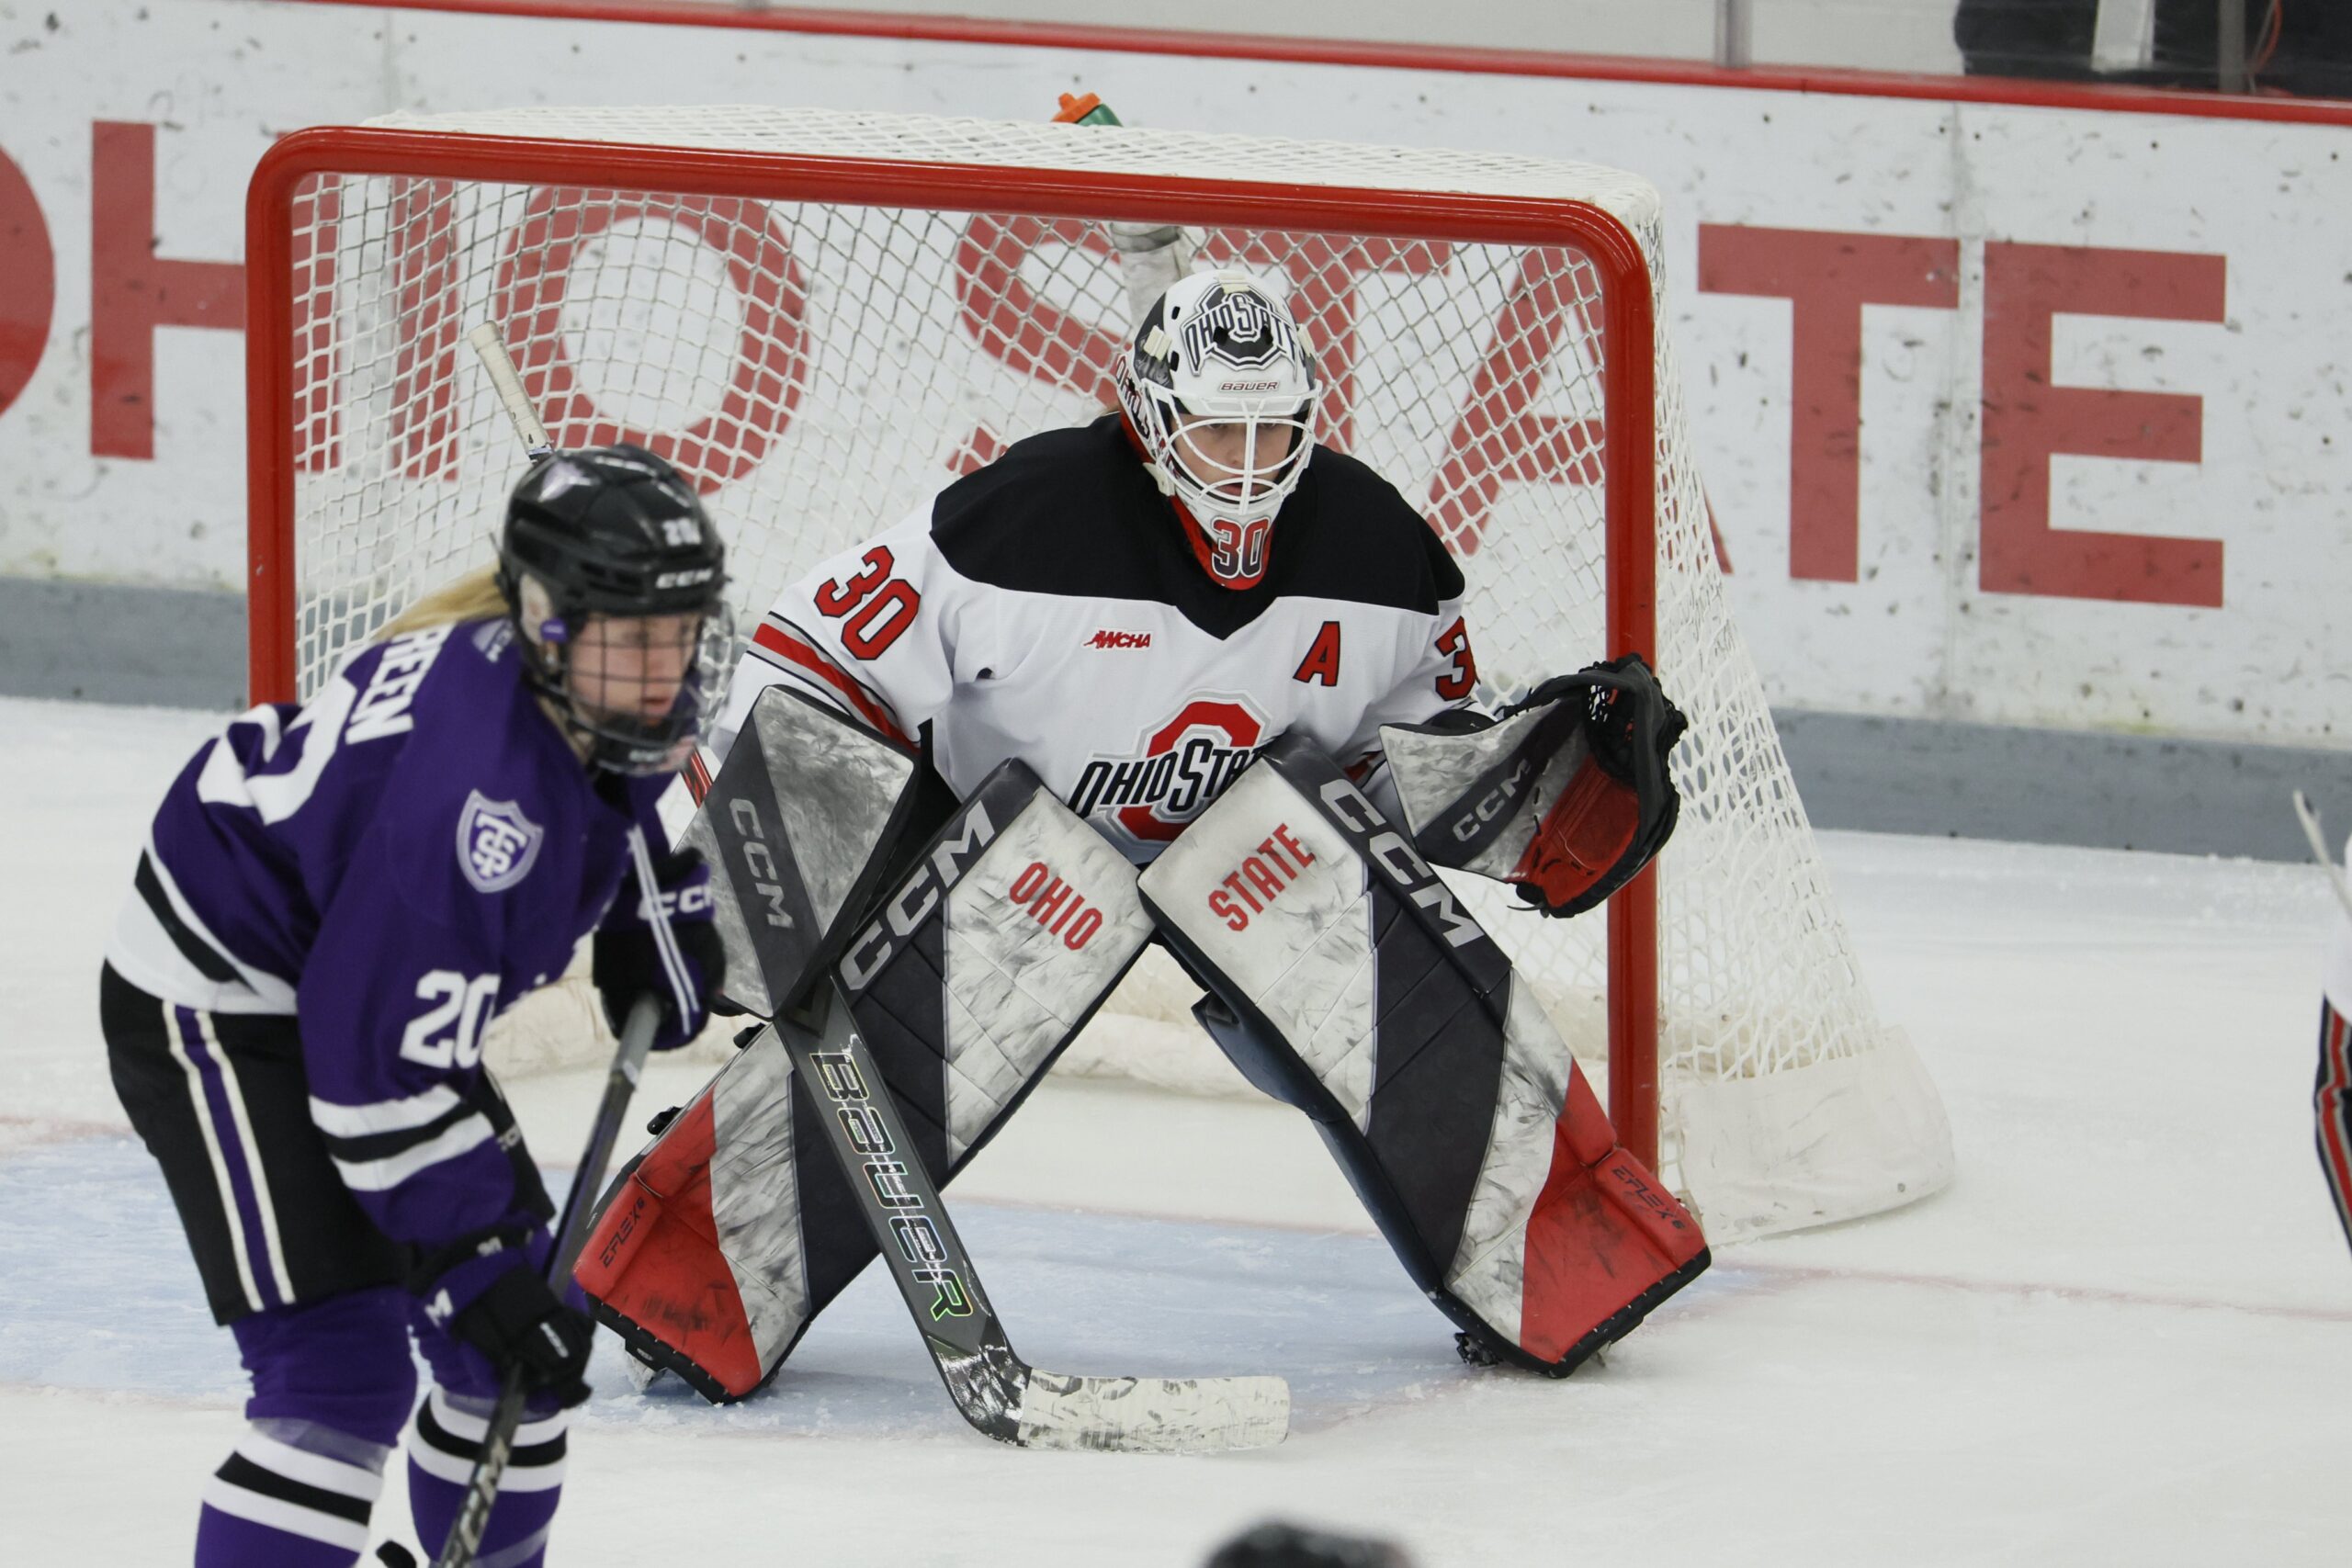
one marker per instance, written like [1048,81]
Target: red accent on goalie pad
[654,1259]
[1605,1238]
[1584,833]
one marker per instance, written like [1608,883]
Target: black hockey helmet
[616,535]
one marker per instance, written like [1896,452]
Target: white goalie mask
[1218,389]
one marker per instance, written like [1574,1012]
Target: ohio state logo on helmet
[1178,768]
[1218,392]
[1240,327]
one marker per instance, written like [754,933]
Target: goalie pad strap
[966,979]
[1356,986]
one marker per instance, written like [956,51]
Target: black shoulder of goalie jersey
[1362,541]
[1073,512]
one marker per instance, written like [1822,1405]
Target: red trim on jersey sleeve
[801,655]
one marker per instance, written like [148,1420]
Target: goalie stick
[1001,1395]
[779,765]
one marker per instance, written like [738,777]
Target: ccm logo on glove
[1055,905]
[1493,803]
[1280,859]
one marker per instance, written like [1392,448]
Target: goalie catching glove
[1566,793]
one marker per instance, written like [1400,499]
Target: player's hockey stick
[572,1230]
[636,1039]
[2308,816]
[998,1392]
[498,1442]
[491,348]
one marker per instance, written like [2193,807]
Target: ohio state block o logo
[1175,771]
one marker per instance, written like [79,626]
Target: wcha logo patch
[496,844]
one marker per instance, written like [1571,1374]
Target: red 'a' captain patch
[1107,638]
[1321,665]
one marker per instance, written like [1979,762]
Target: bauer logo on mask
[496,844]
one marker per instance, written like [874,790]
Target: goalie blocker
[736,1226]
[1349,982]
[1564,794]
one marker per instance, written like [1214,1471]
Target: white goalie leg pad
[991,957]
[736,1227]
[1365,994]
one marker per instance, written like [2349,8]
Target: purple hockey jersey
[392,864]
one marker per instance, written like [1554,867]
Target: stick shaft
[895,1194]
[571,1230]
[491,348]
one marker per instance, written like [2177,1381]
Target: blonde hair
[475,596]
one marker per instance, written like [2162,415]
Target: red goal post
[326,382]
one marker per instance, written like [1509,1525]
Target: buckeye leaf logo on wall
[496,844]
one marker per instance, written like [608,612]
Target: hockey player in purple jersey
[333,902]
[1192,638]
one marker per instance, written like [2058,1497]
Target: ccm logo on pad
[767,877]
[918,896]
[1410,872]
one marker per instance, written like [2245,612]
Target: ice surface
[2125,1335]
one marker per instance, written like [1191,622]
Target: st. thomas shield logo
[496,844]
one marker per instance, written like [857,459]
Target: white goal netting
[822,355]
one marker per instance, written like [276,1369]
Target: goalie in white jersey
[1120,618]
[1134,606]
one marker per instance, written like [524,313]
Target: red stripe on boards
[1380,54]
